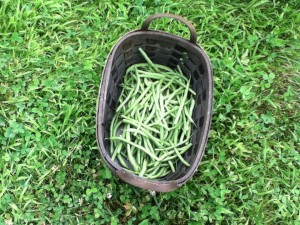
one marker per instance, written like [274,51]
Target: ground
[52,54]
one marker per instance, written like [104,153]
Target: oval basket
[169,50]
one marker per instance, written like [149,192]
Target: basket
[169,50]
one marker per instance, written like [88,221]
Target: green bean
[114,132]
[192,106]
[137,100]
[126,100]
[170,97]
[148,59]
[139,154]
[174,102]
[121,161]
[188,134]
[141,120]
[150,116]
[184,130]
[161,102]
[180,158]
[177,75]
[158,76]
[146,144]
[154,171]
[175,126]
[145,134]
[168,84]
[138,157]
[134,123]
[171,166]
[112,124]
[166,133]
[142,103]
[175,136]
[165,157]
[183,85]
[173,146]
[192,91]
[117,151]
[180,80]
[165,173]
[160,108]
[152,167]
[149,82]
[179,70]
[138,83]
[144,168]
[129,154]
[155,99]
[159,66]
[159,174]
[131,68]
[137,146]
[188,116]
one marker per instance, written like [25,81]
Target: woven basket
[169,50]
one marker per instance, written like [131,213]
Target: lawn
[52,54]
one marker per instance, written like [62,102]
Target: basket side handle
[193,34]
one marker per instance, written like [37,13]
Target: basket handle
[193,34]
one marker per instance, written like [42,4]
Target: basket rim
[154,185]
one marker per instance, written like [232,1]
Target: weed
[51,56]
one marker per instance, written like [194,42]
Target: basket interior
[168,52]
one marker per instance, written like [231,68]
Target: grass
[51,56]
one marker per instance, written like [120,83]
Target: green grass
[52,54]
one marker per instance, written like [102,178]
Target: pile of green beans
[151,129]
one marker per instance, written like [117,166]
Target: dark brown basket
[169,50]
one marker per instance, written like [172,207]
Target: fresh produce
[151,129]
